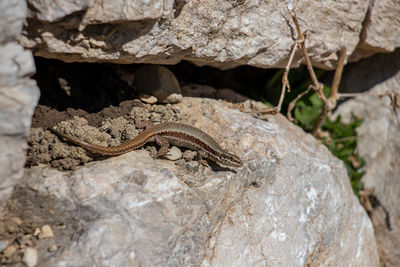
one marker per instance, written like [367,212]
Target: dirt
[108,127]
[25,215]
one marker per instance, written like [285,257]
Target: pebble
[53,248]
[12,228]
[173,98]
[30,257]
[149,99]
[8,252]
[3,245]
[189,155]
[174,153]
[36,232]
[46,231]
[192,166]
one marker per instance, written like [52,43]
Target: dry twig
[285,83]
[328,103]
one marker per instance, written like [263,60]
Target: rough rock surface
[219,33]
[18,96]
[379,144]
[291,204]
[381,28]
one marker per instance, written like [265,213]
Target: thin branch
[294,101]
[337,76]
[285,80]
[285,83]
[330,103]
[317,85]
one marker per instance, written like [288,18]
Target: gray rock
[54,10]
[381,29]
[223,34]
[158,81]
[18,96]
[379,144]
[12,15]
[30,257]
[291,204]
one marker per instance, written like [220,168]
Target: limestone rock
[381,29]
[158,81]
[223,34]
[18,96]
[379,143]
[30,257]
[290,204]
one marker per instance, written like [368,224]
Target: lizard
[164,134]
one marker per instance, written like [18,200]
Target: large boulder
[18,96]
[218,33]
[379,143]
[291,204]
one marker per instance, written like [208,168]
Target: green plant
[339,137]
[342,142]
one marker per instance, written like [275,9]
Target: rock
[379,143]
[149,99]
[8,252]
[173,153]
[381,31]
[3,245]
[189,155]
[12,228]
[30,257]
[159,82]
[53,248]
[46,232]
[36,232]
[223,34]
[291,202]
[18,96]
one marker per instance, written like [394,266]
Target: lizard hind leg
[163,144]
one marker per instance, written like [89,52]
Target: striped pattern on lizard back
[178,134]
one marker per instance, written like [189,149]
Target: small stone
[173,98]
[46,231]
[192,166]
[189,155]
[16,220]
[36,232]
[12,228]
[174,153]
[53,248]
[158,81]
[3,245]
[149,99]
[180,162]
[30,257]
[8,252]
[62,227]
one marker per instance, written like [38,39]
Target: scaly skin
[163,134]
